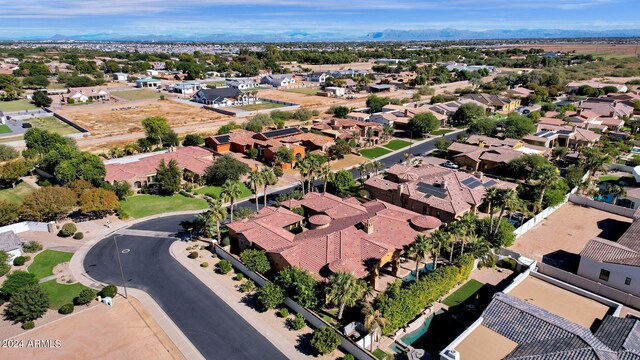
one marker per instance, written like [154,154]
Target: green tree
[339,111]
[270,296]
[4,263]
[193,140]
[505,198]
[256,260]
[595,160]
[41,99]
[376,103]
[18,280]
[518,126]
[98,202]
[342,180]
[324,173]
[299,285]
[255,181]
[443,144]
[84,297]
[503,235]
[467,113]
[7,153]
[325,340]
[420,247]
[12,171]
[373,319]
[48,203]
[422,123]
[483,126]
[167,179]
[27,304]
[344,289]
[546,176]
[218,212]
[9,212]
[231,192]
[616,191]
[574,175]
[155,129]
[284,155]
[268,178]
[225,167]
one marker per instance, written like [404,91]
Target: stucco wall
[590,269]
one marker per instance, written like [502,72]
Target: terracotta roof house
[140,170]
[614,263]
[519,92]
[607,107]
[432,190]
[488,141]
[347,128]
[551,121]
[449,108]
[574,86]
[567,136]
[494,102]
[341,235]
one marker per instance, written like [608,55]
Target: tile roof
[621,335]
[610,252]
[10,241]
[491,141]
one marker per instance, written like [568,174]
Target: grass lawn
[463,293]
[615,178]
[374,152]
[379,354]
[137,94]
[16,105]
[397,144]
[60,294]
[44,262]
[215,190]
[17,194]
[52,124]
[305,90]
[262,106]
[441,132]
[4,129]
[144,205]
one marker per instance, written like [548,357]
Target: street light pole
[124,285]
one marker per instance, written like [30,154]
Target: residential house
[342,235]
[120,76]
[246,83]
[81,95]
[319,77]
[148,83]
[519,92]
[432,190]
[140,170]
[607,107]
[572,87]
[223,97]
[381,88]
[358,116]
[347,129]
[454,66]
[494,102]
[333,91]
[279,80]
[570,136]
[186,88]
[614,263]
[484,153]
[11,244]
[450,107]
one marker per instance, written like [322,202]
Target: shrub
[18,280]
[85,297]
[123,215]
[28,325]
[278,171]
[19,261]
[239,277]
[348,357]
[67,230]
[226,241]
[27,304]
[508,263]
[224,266]
[66,309]
[325,340]
[284,312]
[193,255]
[297,323]
[4,265]
[109,291]
[270,296]
[32,246]
[255,260]
[204,264]
[247,286]
[78,236]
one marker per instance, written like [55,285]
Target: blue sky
[184,17]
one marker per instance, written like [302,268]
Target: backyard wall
[614,209]
[312,318]
[26,226]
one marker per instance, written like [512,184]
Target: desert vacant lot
[101,119]
[630,49]
[304,90]
[137,94]
[302,99]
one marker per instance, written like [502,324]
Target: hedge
[401,303]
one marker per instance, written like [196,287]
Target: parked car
[450,165]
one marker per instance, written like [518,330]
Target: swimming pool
[635,150]
[608,198]
[412,276]
[413,336]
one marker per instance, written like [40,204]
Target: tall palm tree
[304,167]
[370,136]
[387,131]
[231,192]
[218,212]
[506,199]
[363,167]
[345,289]
[546,177]
[376,165]
[491,197]
[438,239]
[204,224]
[268,178]
[325,174]
[466,229]
[595,160]
[448,241]
[420,247]
[616,191]
[255,181]
[373,319]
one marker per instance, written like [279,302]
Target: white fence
[614,209]
[311,317]
[26,226]
[538,218]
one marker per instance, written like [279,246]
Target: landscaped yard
[397,144]
[379,354]
[4,129]
[463,293]
[262,106]
[215,190]
[60,294]
[615,178]
[374,152]
[304,90]
[16,105]
[441,132]
[137,94]
[44,262]
[17,194]
[144,205]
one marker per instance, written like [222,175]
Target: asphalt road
[215,329]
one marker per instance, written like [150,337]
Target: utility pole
[124,285]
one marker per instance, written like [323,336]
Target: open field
[16,105]
[52,124]
[144,205]
[17,194]
[265,105]
[100,332]
[629,49]
[302,99]
[374,152]
[137,94]
[100,119]
[305,90]
[396,144]
[215,190]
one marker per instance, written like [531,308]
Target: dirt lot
[102,119]
[354,66]
[303,100]
[125,331]
[559,238]
[587,48]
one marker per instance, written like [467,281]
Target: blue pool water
[635,150]
[608,198]
[413,336]
[412,276]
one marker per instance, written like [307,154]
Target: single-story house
[120,76]
[242,83]
[278,80]
[223,97]
[148,83]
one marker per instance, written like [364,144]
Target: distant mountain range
[386,35]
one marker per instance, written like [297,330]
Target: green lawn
[615,178]
[52,124]
[4,129]
[441,132]
[215,190]
[304,90]
[44,262]
[137,94]
[60,294]
[262,106]
[16,105]
[397,144]
[463,293]
[379,354]
[17,194]
[144,205]
[374,152]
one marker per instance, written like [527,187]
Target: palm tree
[438,239]
[373,320]
[616,191]
[268,178]
[363,167]
[448,241]
[466,226]
[376,165]
[481,249]
[204,224]
[506,198]
[304,167]
[231,192]
[325,174]
[595,161]
[370,136]
[546,176]
[255,181]
[491,197]
[420,247]
[218,212]
[345,289]
[387,131]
